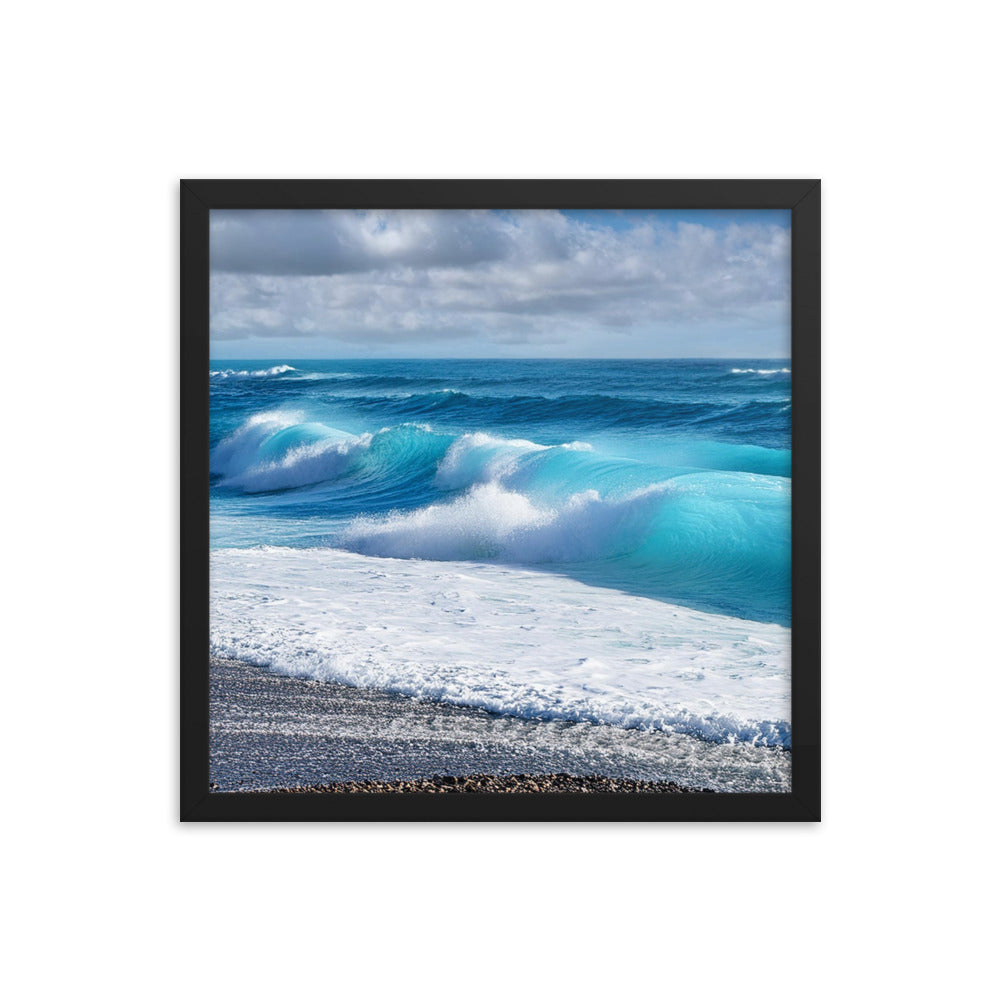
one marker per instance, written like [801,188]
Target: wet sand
[274,732]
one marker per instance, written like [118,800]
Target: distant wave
[761,371]
[259,373]
[594,411]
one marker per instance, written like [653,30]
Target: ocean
[588,540]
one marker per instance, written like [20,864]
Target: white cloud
[452,282]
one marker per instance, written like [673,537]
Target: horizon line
[675,357]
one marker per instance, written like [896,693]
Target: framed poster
[487,506]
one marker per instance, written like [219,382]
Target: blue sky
[455,283]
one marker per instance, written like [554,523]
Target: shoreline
[513,641]
[270,732]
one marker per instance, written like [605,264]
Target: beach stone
[506,784]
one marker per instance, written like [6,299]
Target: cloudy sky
[455,283]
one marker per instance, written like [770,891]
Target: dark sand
[517,783]
[274,732]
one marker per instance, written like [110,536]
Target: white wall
[108,105]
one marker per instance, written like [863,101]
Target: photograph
[500,501]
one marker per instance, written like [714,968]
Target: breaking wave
[259,373]
[714,536]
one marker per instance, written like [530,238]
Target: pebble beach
[270,732]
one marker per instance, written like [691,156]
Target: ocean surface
[605,541]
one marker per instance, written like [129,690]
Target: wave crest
[279,451]
[492,523]
[259,373]
[481,458]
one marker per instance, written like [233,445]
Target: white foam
[259,373]
[240,448]
[482,458]
[302,466]
[512,641]
[237,457]
[762,371]
[490,522]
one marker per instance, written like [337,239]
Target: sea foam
[511,641]
[490,522]
[259,373]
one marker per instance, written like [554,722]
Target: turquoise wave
[699,522]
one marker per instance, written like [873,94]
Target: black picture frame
[199,197]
